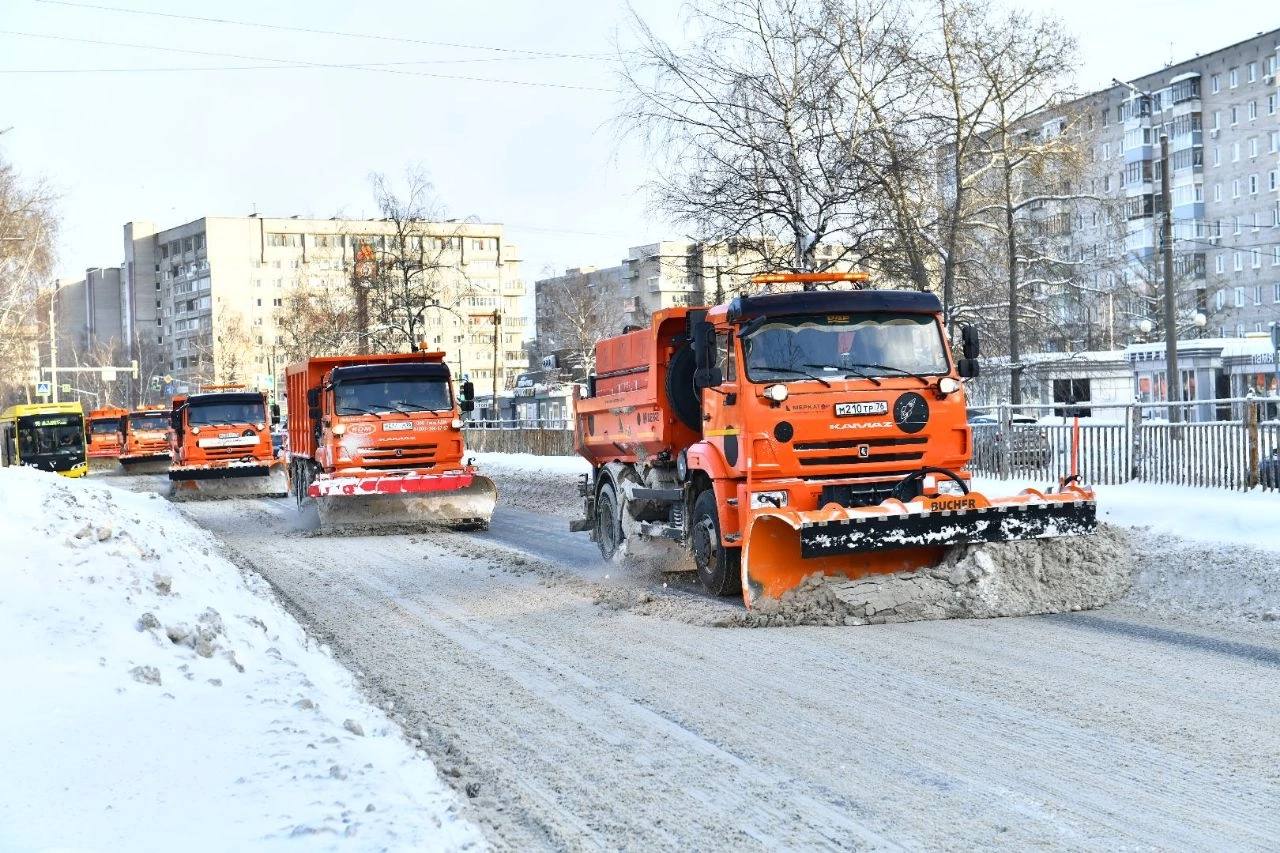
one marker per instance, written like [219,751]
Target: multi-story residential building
[1221,113]
[88,320]
[205,299]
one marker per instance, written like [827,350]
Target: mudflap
[784,547]
[469,507]
[259,481]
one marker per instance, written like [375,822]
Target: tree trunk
[1011,249]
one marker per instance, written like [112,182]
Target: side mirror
[467,392]
[969,342]
[591,385]
[707,377]
[313,398]
[968,368]
[175,421]
[275,414]
[704,346]
[466,405]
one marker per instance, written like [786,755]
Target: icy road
[585,706]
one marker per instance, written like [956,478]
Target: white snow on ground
[158,698]
[550,465]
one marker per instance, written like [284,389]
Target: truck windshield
[147,422]
[40,435]
[392,394]
[798,349]
[215,414]
[104,426]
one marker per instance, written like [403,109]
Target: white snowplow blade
[467,508]
[273,485]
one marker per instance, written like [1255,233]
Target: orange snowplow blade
[783,547]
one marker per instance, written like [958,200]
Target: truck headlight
[195,430]
[776,393]
[456,423]
[339,429]
[948,486]
[947,385]
[768,500]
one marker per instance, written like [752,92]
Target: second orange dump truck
[103,431]
[222,446]
[376,441]
[146,443]
[786,434]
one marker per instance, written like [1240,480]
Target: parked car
[1030,446]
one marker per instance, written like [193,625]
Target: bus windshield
[215,414]
[148,421]
[393,394]
[104,426]
[796,349]
[44,435]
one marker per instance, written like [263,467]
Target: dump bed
[306,375]
[631,414]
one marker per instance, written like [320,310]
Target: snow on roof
[1187,76]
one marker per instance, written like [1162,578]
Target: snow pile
[157,698]
[547,484]
[1207,580]
[973,581]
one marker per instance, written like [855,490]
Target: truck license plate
[872,407]
[394,425]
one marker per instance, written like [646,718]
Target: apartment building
[666,274]
[1221,114]
[205,299]
[88,318]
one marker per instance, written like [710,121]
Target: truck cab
[144,438]
[224,427]
[103,432]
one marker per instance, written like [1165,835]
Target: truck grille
[850,451]
[856,494]
[222,454]
[405,456]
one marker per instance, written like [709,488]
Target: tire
[608,526]
[719,568]
[685,400]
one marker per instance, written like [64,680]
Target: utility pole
[1173,377]
[497,326]
[53,341]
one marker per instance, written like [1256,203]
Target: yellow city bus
[48,436]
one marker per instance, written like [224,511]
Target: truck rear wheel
[608,526]
[718,567]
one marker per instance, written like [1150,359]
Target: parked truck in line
[222,446]
[103,432]
[145,440]
[791,433]
[375,441]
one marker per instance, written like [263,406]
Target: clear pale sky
[172,146]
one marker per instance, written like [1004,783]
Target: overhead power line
[374,67]
[317,31]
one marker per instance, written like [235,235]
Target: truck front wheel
[718,566]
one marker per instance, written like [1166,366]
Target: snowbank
[546,484]
[157,698]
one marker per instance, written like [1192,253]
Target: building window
[1253,147]
[200,241]
[1239,300]
[1257,294]
[1106,117]
[279,240]
[1271,104]
[1219,265]
[1235,188]
[1253,185]
[1235,116]
[1220,300]
[1236,221]
[1256,257]
[1253,72]
[1237,263]
[1233,77]
[1215,83]
[277,302]
[1217,192]
[1275,141]
[1275,291]
[1253,110]
[1217,155]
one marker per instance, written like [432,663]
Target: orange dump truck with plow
[146,440]
[222,446]
[376,441]
[103,430]
[792,433]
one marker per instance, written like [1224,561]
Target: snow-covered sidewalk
[156,697]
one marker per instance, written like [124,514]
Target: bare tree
[316,321]
[28,227]
[231,355]
[414,268]
[751,136]
[579,314]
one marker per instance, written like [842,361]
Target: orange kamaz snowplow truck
[103,431]
[222,446]
[146,441]
[786,434]
[376,441]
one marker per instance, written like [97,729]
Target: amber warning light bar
[808,277]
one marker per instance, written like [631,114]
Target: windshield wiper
[891,367]
[858,373]
[421,407]
[796,371]
[358,411]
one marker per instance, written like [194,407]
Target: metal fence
[1123,443]
[518,423]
